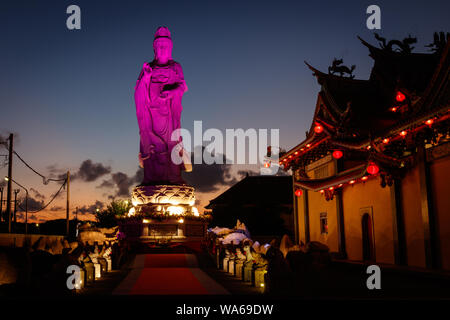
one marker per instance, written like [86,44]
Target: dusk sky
[68,94]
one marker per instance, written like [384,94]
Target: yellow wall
[412,217]
[368,194]
[318,204]
[301,218]
[440,180]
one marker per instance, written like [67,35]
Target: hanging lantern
[318,129]
[337,154]
[364,178]
[394,109]
[429,122]
[400,97]
[403,133]
[386,141]
[298,192]
[372,168]
[267,165]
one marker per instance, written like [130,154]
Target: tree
[107,218]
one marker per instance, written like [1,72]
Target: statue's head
[162,45]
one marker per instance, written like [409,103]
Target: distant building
[372,176]
[263,203]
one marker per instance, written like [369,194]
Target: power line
[53,198]
[45,180]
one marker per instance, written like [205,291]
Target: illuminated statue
[158,94]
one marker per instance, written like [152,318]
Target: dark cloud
[90,209]
[122,182]
[106,184]
[55,172]
[57,208]
[209,177]
[37,194]
[90,171]
[33,204]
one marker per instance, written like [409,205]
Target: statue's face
[163,50]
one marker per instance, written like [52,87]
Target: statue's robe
[157,119]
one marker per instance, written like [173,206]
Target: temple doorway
[367,238]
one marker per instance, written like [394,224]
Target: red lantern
[298,192]
[318,129]
[400,97]
[372,168]
[429,122]
[337,154]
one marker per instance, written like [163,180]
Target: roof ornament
[337,67]
[403,46]
[439,41]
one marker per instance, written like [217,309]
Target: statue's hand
[147,69]
[166,94]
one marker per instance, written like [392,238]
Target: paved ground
[185,271]
[168,274]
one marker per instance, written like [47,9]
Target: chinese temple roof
[355,113]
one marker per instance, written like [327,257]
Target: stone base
[164,212]
[163,194]
[171,229]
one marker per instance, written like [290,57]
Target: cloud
[209,177]
[90,209]
[57,208]
[33,204]
[37,194]
[90,171]
[122,182]
[55,172]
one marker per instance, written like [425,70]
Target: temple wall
[412,217]
[361,198]
[318,205]
[301,218]
[440,181]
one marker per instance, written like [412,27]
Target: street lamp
[26,202]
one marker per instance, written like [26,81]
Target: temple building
[263,203]
[372,178]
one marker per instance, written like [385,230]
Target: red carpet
[167,281]
[165,260]
[168,274]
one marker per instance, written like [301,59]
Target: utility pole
[67,204]
[16,191]
[1,204]
[76,214]
[9,191]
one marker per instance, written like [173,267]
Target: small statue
[336,67]
[404,46]
[439,41]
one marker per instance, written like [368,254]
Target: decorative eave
[326,183]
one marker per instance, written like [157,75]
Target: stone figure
[158,94]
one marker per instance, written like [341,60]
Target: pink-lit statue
[158,94]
